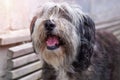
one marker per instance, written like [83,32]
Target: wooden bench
[23,64]
[17,36]
[112,26]
[10,38]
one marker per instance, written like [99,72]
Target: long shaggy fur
[81,56]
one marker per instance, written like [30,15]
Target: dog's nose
[49,25]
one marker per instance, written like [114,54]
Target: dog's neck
[65,73]
[77,67]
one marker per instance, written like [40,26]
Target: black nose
[49,25]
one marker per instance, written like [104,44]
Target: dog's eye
[64,14]
[67,18]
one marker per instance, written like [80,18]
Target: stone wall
[105,10]
[16,14]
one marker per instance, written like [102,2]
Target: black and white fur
[82,55]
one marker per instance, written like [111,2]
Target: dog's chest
[62,75]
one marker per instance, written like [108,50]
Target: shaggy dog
[64,38]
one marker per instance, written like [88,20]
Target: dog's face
[58,32]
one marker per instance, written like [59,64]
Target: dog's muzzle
[52,41]
[49,25]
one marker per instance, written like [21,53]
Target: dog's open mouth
[53,42]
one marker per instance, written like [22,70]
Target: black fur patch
[85,50]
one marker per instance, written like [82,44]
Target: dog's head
[61,32]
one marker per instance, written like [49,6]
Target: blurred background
[16,15]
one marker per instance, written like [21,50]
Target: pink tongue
[52,41]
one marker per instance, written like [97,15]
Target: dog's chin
[53,42]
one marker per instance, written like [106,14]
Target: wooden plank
[117,33]
[24,70]
[33,76]
[14,63]
[15,37]
[118,37]
[20,50]
[107,25]
[113,28]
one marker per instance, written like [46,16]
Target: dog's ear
[32,24]
[87,36]
[88,29]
